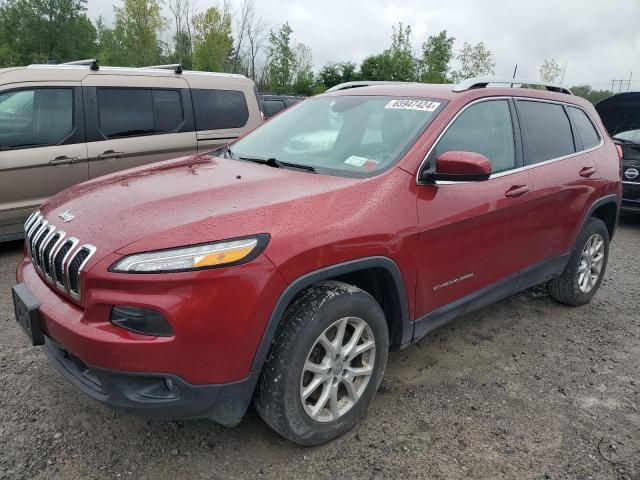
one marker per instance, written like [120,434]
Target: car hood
[620,113]
[185,201]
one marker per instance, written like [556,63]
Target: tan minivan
[64,124]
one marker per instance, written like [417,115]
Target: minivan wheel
[325,365]
[586,268]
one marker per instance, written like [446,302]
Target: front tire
[586,268]
[326,364]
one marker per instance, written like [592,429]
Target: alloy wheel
[337,369]
[591,262]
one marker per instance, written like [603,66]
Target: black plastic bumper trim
[225,404]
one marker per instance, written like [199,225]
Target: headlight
[197,257]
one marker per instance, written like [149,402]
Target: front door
[470,232]
[42,148]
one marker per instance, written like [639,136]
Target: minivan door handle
[110,154]
[586,172]
[517,191]
[63,160]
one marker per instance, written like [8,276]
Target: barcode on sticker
[421,105]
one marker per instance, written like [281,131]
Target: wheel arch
[378,276]
[606,209]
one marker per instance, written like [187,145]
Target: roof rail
[92,63]
[364,83]
[176,67]
[483,82]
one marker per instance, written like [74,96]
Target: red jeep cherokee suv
[283,268]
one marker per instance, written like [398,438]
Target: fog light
[141,320]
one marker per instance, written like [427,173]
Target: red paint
[434,233]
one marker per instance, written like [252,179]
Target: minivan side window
[484,128]
[546,131]
[219,109]
[585,129]
[35,117]
[124,112]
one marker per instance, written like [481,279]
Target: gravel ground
[523,389]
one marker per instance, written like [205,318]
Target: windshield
[629,136]
[344,135]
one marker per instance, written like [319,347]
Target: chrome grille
[58,259]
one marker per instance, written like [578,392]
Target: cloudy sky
[596,40]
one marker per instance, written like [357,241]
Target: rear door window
[585,129]
[219,109]
[546,131]
[127,112]
[168,114]
[35,117]
[484,128]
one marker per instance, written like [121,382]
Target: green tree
[475,61]
[396,63]
[594,96]
[375,67]
[304,79]
[330,75]
[280,59]
[138,26]
[212,40]
[45,30]
[550,70]
[400,64]
[110,52]
[437,53]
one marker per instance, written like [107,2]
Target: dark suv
[621,116]
[283,268]
[274,104]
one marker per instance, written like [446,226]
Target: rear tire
[331,347]
[586,268]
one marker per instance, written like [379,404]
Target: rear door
[148,120]
[563,175]
[222,116]
[42,147]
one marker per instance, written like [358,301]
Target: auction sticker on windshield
[422,105]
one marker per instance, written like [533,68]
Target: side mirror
[455,166]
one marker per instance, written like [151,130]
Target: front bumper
[631,196]
[155,395]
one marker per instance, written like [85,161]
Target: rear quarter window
[546,131]
[271,107]
[219,109]
[585,129]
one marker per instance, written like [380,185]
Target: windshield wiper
[224,149]
[275,163]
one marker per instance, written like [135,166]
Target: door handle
[110,154]
[63,160]
[517,191]
[586,172]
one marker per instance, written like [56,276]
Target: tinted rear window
[167,110]
[219,109]
[586,131]
[125,112]
[546,131]
[271,107]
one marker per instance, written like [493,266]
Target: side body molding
[327,273]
